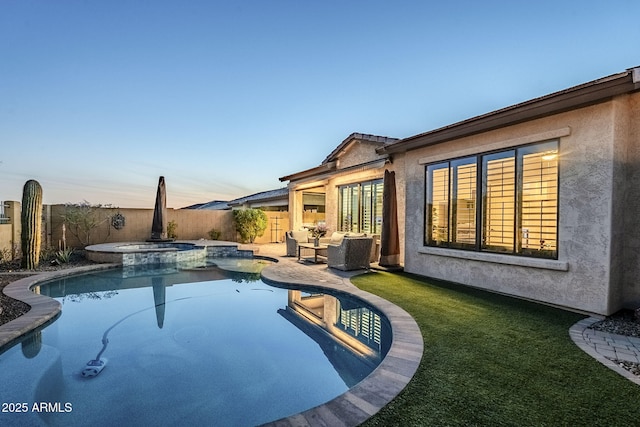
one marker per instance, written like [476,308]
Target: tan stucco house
[539,200]
[345,190]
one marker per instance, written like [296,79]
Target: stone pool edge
[366,398]
[43,309]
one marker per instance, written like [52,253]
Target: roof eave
[318,170]
[577,97]
[356,136]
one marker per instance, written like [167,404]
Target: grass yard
[492,360]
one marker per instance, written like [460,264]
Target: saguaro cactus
[31,224]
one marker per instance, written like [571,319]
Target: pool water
[207,346]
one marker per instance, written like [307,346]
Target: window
[508,205]
[360,207]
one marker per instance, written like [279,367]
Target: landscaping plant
[84,219]
[250,223]
[31,219]
[172,228]
[214,234]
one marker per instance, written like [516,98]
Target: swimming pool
[203,346]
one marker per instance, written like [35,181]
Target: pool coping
[43,309]
[387,380]
[351,408]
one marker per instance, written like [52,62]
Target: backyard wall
[192,224]
[10,231]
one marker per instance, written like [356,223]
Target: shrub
[250,223]
[84,219]
[5,255]
[63,256]
[172,227]
[214,234]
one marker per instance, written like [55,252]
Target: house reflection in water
[354,338]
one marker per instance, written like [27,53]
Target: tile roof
[257,197]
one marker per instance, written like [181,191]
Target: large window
[499,202]
[360,207]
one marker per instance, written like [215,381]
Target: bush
[5,255]
[63,256]
[214,234]
[84,219]
[250,223]
[172,226]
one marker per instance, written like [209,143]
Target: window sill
[547,264]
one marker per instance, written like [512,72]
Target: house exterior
[275,203]
[539,200]
[345,190]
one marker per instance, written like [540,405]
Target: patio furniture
[353,253]
[334,239]
[293,238]
[375,247]
[320,249]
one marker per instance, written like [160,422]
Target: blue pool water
[208,346]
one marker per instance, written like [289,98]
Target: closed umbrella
[159,224]
[389,240]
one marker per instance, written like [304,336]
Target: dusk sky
[100,98]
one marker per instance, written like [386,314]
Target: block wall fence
[191,225]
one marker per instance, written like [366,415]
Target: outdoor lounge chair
[292,239]
[353,253]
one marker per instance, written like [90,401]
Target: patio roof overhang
[583,95]
[320,173]
[316,171]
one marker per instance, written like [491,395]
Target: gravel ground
[11,271]
[621,323]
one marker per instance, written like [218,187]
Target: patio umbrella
[389,241]
[159,224]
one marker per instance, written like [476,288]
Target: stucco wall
[629,230]
[192,225]
[10,232]
[6,241]
[581,277]
[357,154]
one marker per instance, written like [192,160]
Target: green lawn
[491,360]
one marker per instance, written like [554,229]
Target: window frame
[545,211]
[358,199]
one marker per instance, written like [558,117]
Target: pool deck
[387,380]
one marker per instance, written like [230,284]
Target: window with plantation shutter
[360,207]
[505,202]
[539,202]
[499,196]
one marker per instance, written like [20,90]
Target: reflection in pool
[207,345]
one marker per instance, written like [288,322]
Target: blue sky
[100,98]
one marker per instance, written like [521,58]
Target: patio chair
[353,253]
[375,247]
[292,238]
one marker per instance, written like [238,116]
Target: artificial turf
[492,360]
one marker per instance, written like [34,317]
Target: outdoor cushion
[336,237]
